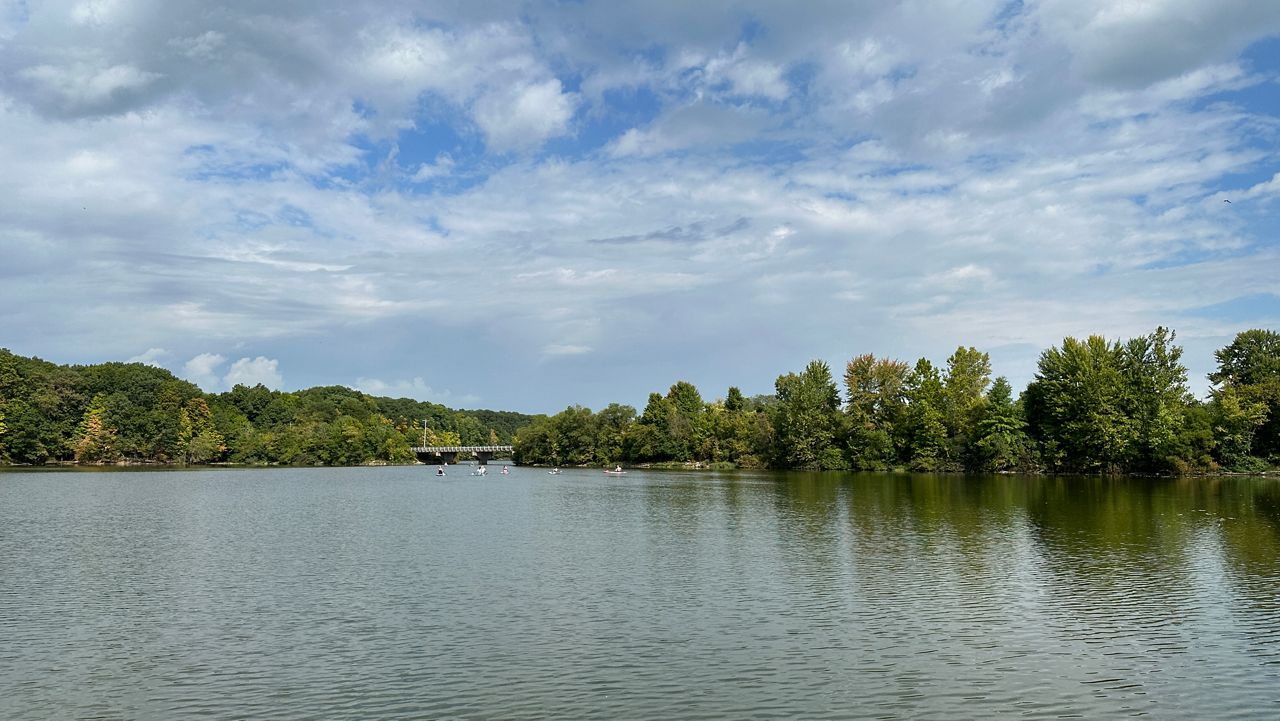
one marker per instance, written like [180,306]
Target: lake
[356,593]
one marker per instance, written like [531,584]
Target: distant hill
[112,412]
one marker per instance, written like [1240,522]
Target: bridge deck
[461,449]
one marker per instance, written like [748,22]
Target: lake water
[392,593]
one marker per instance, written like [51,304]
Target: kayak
[616,473]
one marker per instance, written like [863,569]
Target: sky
[528,205]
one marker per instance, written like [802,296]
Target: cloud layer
[584,202]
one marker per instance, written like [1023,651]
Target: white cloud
[522,117]
[968,275]
[700,125]
[415,388]
[555,349]
[203,371]
[83,89]
[274,177]
[442,167]
[491,70]
[1266,190]
[251,372]
[150,357]
[746,76]
[96,12]
[204,47]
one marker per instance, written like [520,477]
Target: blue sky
[530,205]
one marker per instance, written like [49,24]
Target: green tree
[807,419]
[1075,406]
[1156,398]
[575,431]
[686,422]
[924,431]
[1236,419]
[612,425]
[535,443]
[734,401]
[964,390]
[649,439]
[1250,366]
[876,408]
[1001,443]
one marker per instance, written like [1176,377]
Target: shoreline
[654,466]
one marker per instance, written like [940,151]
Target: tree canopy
[112,412]
[1095,405]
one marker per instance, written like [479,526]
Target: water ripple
[386,593]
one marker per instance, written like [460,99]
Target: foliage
[807,419]
[964,395]
[1094,406]
[96,438]
[1110,406]
[1001,442]
[1155,397]
[924,435]
[876,409]
[129,411]
[1076,401]
[1250,368]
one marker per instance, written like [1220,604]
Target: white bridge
[449,454]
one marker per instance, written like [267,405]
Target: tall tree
[96,438]
[1075,406]
[649,439]
[1001,442]
[1156,397]
[1236,420]
[876,408]
[1250,366]
[612,424]
[808,418]
[734,401]
[200,441]
[925,433]
[964,391]
[686,422]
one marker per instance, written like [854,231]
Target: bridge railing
[461,449]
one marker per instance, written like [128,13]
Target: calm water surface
[391,593]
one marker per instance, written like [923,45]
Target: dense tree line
[128,411]
[1094,406]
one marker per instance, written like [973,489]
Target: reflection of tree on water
[1091,580]
[1249,521]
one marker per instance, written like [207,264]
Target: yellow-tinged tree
[198,440]
[876,409]
[96,439]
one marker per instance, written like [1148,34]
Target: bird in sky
[1226,201]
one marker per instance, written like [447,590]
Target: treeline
[114,412]
[1094,406]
